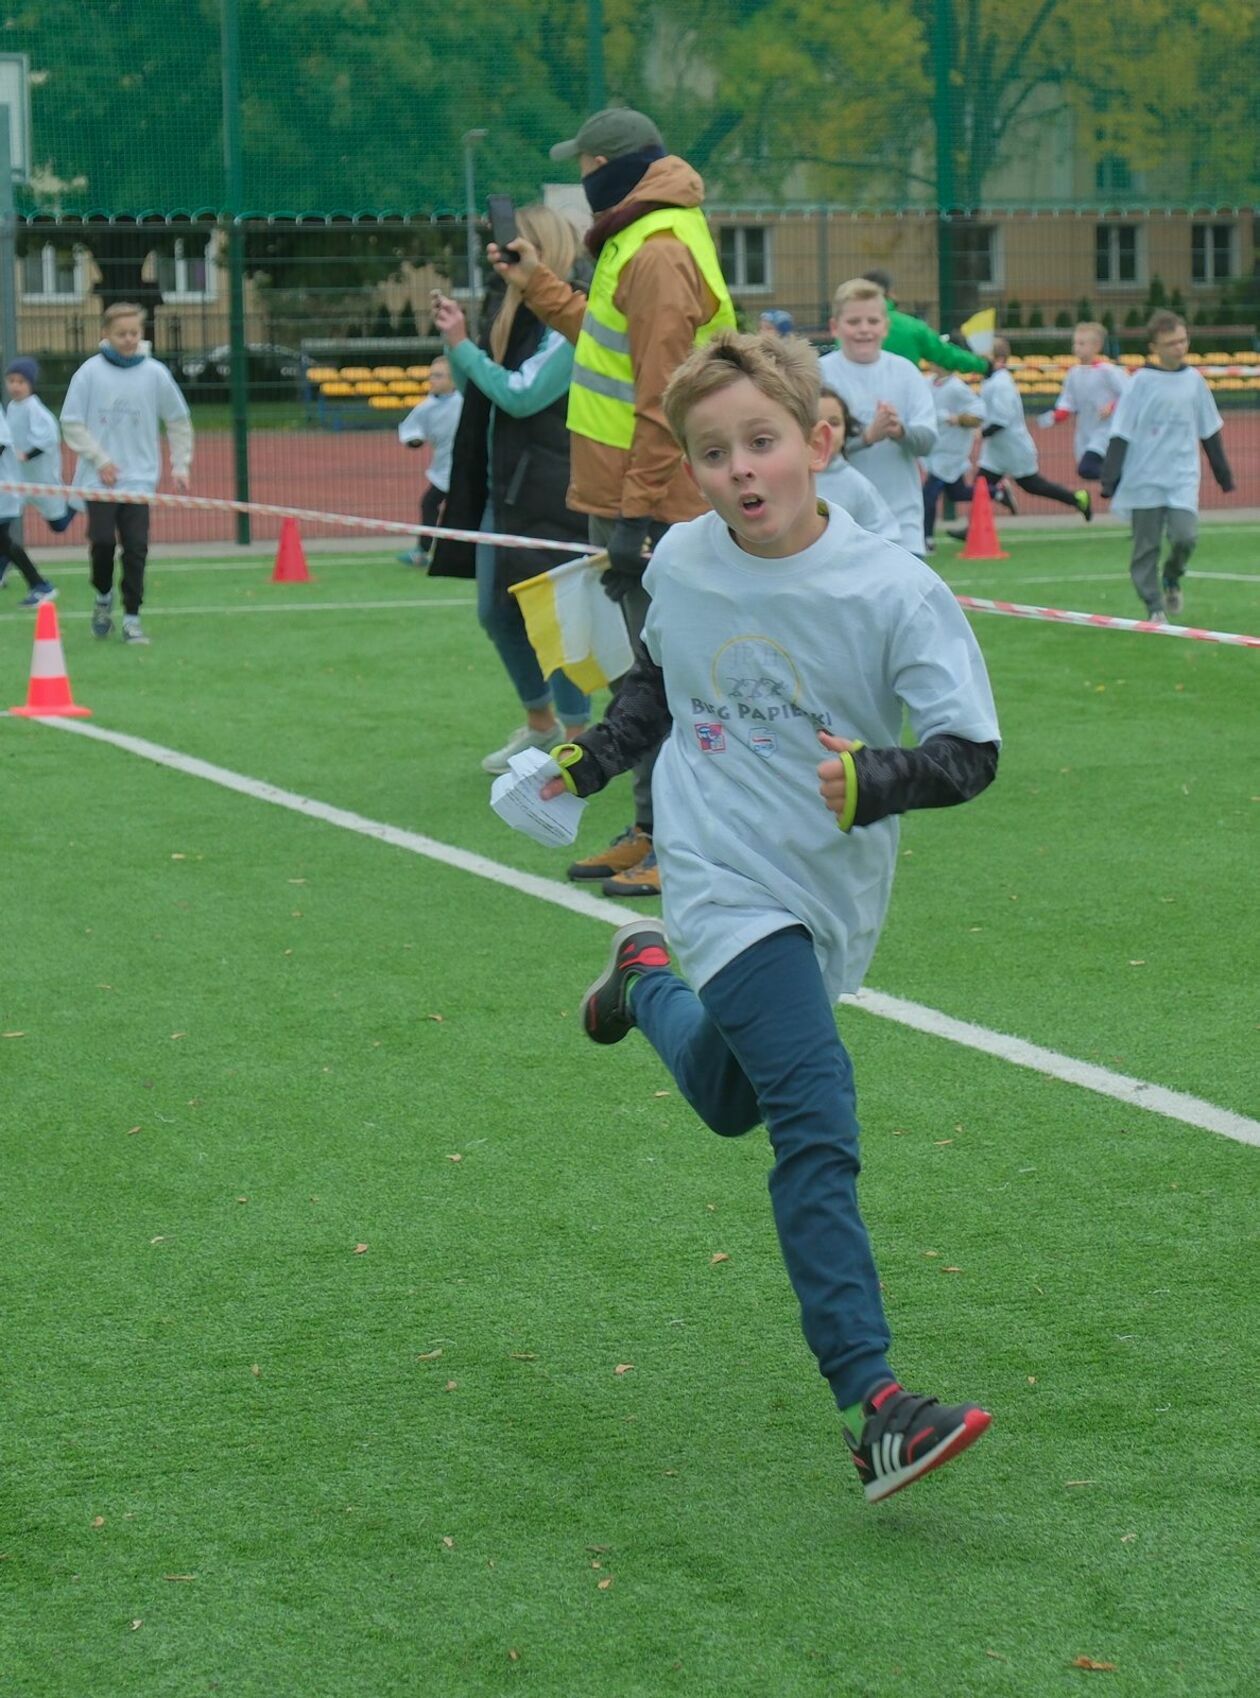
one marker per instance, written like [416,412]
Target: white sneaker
[1157,618]
[132,630]
[102,607]
[517,743]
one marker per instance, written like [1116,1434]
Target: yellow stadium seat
[384,401]
[355,374]
[403,386]
[369,386]
[418,371]
[336,388]
[321,374]
[386,372]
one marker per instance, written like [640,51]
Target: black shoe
[905,1437]
[1174,601]
[636,948]
[1004,497]
[1085,501]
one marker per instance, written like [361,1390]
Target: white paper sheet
[514,797]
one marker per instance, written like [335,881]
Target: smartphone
[503,225]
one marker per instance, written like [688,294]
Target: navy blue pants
[933,489]
[759,1044]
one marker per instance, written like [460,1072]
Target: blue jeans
[759,1043]
[933,489]
[503,623]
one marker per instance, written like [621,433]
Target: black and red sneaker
[637,948]
[905,1437]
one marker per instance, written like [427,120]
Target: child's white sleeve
[43,429]
[1207,418]
[1128,413]
[412,428]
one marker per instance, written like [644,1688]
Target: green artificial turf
[240,1453]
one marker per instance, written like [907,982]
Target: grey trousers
[1149,525]
[634,607]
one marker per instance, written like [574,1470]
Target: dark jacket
[525,470]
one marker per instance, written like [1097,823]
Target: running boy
[780,631]
[1089,394]
[958,417]
[12,553]
[842,484]
[36,441]
[110,418]
[889,399]
[1152,466]
[434,421]
[1007,449]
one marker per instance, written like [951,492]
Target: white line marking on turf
[1175,1105]
[1015,580]
[278,607]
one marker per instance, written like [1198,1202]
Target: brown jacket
[665,301]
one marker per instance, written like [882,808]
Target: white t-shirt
[891,466]
[435,421]
[847,636]
[1010,451]
[1090,392]
[1163,416]
[952,454]
[844,486]
[10,472]
[120,406]
[32,428]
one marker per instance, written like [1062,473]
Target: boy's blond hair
[857,289]
[1096,330]
[120,309]
[783,368]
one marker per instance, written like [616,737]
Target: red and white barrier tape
[1105,621]
[220,504]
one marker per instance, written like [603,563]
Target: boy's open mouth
[751,505]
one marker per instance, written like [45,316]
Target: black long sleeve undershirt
[943,770]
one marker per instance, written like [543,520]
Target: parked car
[273,370]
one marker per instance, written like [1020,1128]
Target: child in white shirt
[38,588]
[1151,470]
[1089,394]
[958,417]
[434,421]
[842,484]
[1007,449]
[890,400]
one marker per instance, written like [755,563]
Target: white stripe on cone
[48,659]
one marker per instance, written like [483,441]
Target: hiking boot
[641,880]
[905,1437]
[132,630]
[1004,496]
[622,853]
[1085,501]
[636,949]
[41,592]
[497,760]
[102,607]
[1174,601]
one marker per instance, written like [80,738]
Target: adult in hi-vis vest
[657,293]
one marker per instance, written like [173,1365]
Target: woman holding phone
[510,472]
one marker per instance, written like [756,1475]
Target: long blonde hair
[557,243]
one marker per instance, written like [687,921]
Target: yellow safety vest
[601,394]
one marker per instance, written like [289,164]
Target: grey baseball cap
[612,132]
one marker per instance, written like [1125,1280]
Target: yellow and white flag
[573,626]
[980,330]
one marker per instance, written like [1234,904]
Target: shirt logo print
[710,736]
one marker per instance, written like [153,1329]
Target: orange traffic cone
[290,567]
[49,691]
[982,541]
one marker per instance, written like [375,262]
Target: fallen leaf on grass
[997,1656]
[524,1356]
[605,1583]
[601,1549]
[132,1130]
[1093,1667]
[931,1252]
[14,1034]
[429,1355]
[951,1270]
[455,1158]
[451,1385]
[596,1563]
[514,1656]
[719,1256]
[255,1370]
[138,1622]
[160,1239]
[1137,963]
[623,1367]
[941,1142]
[1127,1538]
[662,1093]
[438,1019]
[175,1035]
[448,1542]
[1080,1482]
[98,1521]
[179,1577]
[360,1249]
[1032,1379]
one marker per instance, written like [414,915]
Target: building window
[1213,252]
[1113,175]
[1116,254]
[745,253]
[187,274]
[978,255]
[51,273]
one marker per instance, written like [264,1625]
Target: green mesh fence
[351,106]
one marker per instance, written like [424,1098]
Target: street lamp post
[470,139]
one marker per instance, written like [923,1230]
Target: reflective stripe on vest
[601,393]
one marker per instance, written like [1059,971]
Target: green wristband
[566,755]
[845,820]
